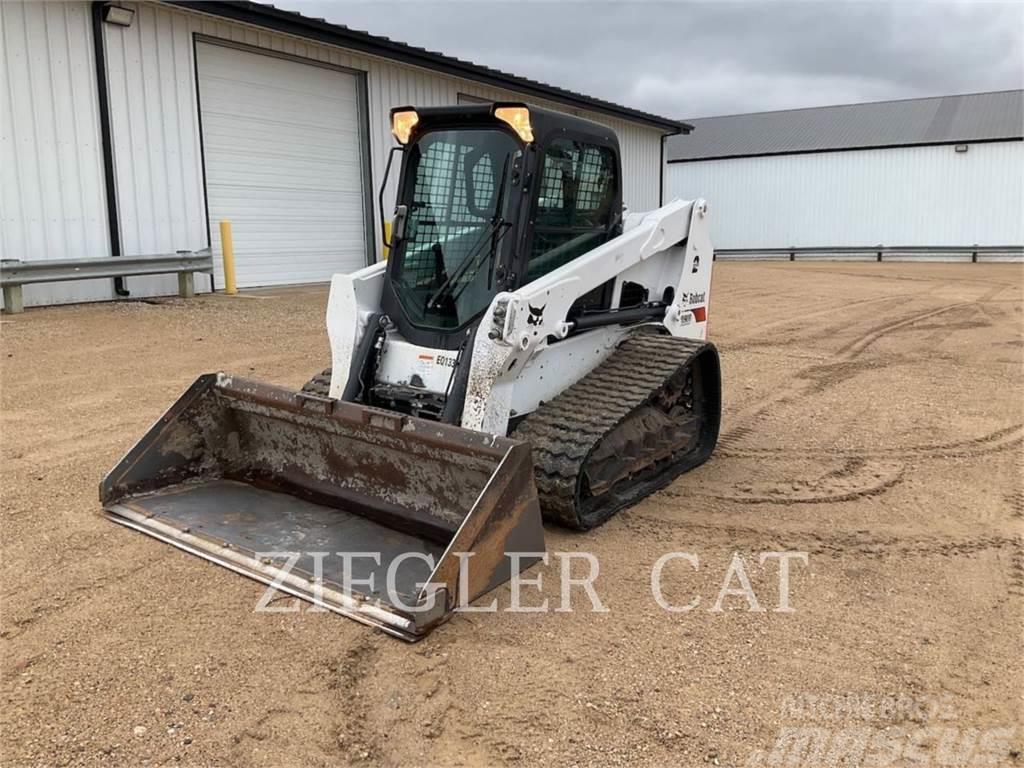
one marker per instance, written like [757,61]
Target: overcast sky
[698,59]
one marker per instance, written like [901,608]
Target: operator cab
[491,197]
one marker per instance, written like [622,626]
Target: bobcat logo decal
[536,315]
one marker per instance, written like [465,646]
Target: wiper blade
[463,265]
[495,236]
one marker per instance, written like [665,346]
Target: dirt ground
[872,419]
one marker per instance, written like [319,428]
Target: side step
[276,485]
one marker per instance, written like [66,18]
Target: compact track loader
[528,347]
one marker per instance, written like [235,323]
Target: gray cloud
[698,59]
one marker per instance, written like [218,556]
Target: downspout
[661,170]
[113,226]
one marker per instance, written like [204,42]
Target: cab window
[441,270]
[574,207]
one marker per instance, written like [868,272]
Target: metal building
[134,127]
[945,171]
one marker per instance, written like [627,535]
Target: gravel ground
[872,419]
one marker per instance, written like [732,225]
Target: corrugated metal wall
[902,196]
[156,137]
[155,133]
[52,203]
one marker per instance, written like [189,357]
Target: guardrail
[973,253]
[14,273]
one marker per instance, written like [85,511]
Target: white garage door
[281,143]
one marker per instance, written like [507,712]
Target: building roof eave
[292,23]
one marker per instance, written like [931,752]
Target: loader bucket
[390,520]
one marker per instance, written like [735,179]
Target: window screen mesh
[442,265]
[577,189]
[440,213]
[595,174]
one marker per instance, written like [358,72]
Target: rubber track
[564,430]
[319,384]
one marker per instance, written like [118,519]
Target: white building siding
[156,136]
[901,196]
[52,203]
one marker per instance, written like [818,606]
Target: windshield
[442,272]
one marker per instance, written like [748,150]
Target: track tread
[319,384]
[565,430]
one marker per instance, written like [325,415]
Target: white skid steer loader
[527,348]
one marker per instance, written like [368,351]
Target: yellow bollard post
[387,239]
[227,249]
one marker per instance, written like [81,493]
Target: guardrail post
[227,249]
[13,303]
[974,254]
[186,284]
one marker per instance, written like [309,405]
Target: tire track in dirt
[801,386]
[863,473]
[838,543]
[58,605]
[1017,573]
[853,348]
[993,442]
[858,345]
[759,340]
[1016,502]
[822,376]
[325,703]
[876,466]
[857,479]
[351,735]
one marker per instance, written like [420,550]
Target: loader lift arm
[515,337]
